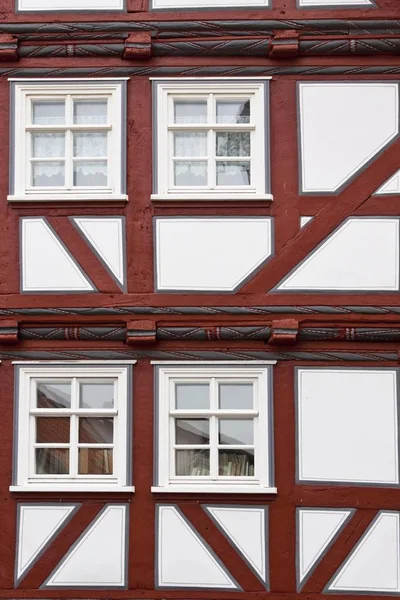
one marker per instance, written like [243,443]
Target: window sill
[87,197]
[48,487]
[225,196]
[214,489]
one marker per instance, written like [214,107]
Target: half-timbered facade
[199,299]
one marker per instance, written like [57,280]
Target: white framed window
[211,139]
[213,428]
[72,427]
[68,5]
[209,3]
[68,140]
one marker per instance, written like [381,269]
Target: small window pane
[90,173]
[190,144]
[96,430]
[235,395]
[48,113]
[233,111]
[95,461]
[52,461]
[190,173]
[52,430]
[190,111]
[236,463]
[53,395]
[192,431]
[48,145]
[193,463]
[90,112]
[192,396]
[96,395]
[236,432]
[233,173]
[233,144]
[48,174]
[90,144]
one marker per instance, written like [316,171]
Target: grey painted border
[323,291]
[350,555]
[67,363]
[92,523]
[365,166]
[11,151]
[76,506]
[333,6]
[73,259]
[265,508]
[68,10]
[122,218]
[270,423]
[340,483]
[229,80]
[199,8]
[157,586]
[241,283]
[301,584]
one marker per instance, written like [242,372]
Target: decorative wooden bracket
[284,331]
[138,46]
[8,331]
[139,332]
[285,44]
[8,47]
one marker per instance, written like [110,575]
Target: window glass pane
[190,144]
[53,395]
[96,430]
[91,144]
[90,173]
[233,173]
[52,430]
[233,143]
[233,111]
[192,463]
[236,431]
[194,111]
[190,173]
[52,461]
[192,431]
[96,395]
[95,461]
[90,112]
[235,395]
[48,145]
[48,113]
[45,174]
[192,396]
[236,463]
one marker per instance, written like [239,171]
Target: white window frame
[24,478]
[171,4]
[261,376]
[69,5]
[163,93]
[23,92]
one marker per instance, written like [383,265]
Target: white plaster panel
[305,220]
[245,528]
[210,253]
[317,530]
[98,558]
[70,5]
[343,126]
[362,254]
[37,525]
[185,4]
[183,558]
[374,564]
[46,264]
[105,235]
[333,3]
[391,186]
[347,425]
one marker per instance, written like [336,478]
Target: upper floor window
[213,429]
[68,140]
[55,5]
[211,139]
[72,428]
[209,3]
